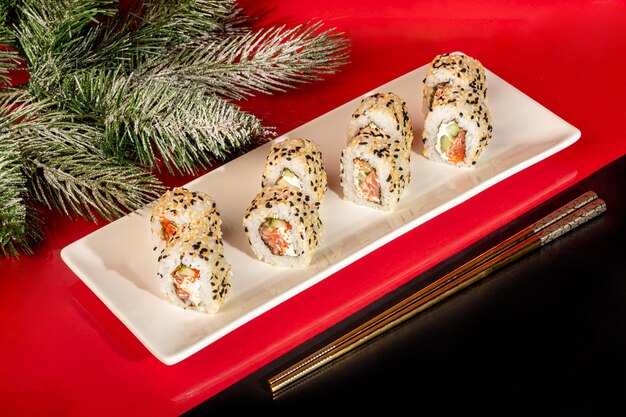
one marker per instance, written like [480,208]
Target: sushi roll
[297,162]
[193,272]
[386,111]
[453,69]
[181,208]
[283,226]
[375,170]
[458,128]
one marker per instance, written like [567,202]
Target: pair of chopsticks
[540,233]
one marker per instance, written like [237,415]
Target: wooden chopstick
[540,233]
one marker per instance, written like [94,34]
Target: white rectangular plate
[118,264]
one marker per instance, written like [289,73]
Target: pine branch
[65,169]
[181,21]
[6,7]
[16,104]
[56,37]
[76,182]
[19,227]
[152,27]
[55,28]
[65,52]
[114,93]
[267,60]
[9,57]
[96,33]
[185,128]
[150,121]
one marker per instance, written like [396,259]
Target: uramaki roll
[193,272]
[283,226]
[296,162]
[180,208]
[386,111]
[453,69]
[458,128]
[375,170]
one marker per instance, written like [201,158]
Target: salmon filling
[451,141]
[168,228]
[365,182]
[184,276]
[276,236]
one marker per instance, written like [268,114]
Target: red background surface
[62,352]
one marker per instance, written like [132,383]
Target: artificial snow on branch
[118,91]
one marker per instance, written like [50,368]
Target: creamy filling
[287,177]
[276,234]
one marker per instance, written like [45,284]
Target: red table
[64,353]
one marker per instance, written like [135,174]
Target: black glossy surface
[545,335]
